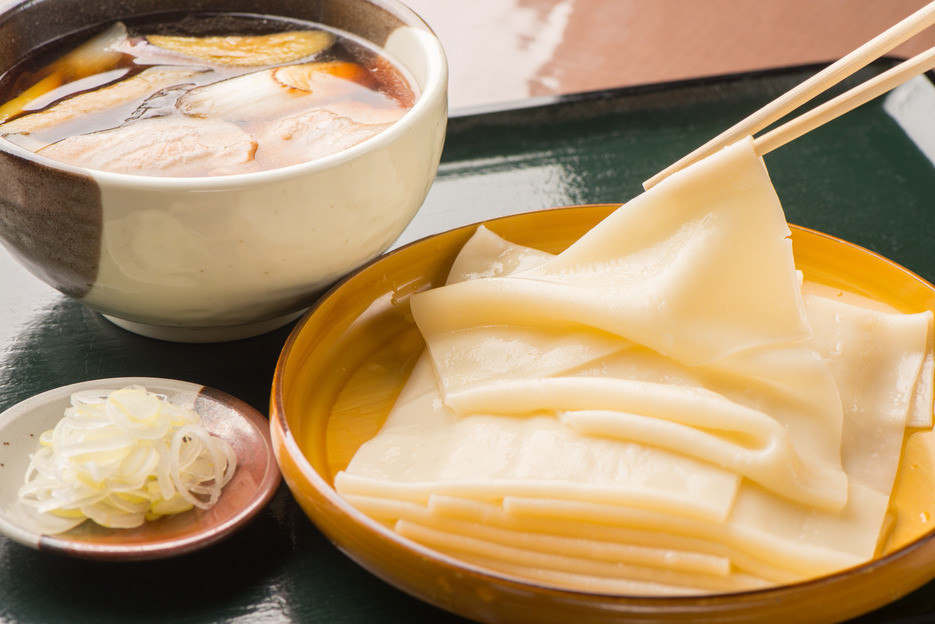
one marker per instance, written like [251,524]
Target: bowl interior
[344,365]
[32,29]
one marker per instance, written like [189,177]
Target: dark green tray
[860,178]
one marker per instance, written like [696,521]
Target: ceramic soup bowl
[224,257]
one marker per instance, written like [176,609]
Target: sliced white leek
[121,458]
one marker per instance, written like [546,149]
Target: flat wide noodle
[681,271]
[425,448]
[656,409]
[697,268]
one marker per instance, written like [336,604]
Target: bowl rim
[279,423]
[432,94]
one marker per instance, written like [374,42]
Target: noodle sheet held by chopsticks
[664,383]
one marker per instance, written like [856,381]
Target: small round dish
[344,364]
[251,488]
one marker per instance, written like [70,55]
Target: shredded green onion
[123,457]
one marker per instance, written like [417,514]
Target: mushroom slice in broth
[99,54]
[249,50]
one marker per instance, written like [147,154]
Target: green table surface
[861,178]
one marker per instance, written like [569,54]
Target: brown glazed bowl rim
[744,606]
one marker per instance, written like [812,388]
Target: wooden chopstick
[794,98]
[845,102]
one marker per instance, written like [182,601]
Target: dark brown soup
[204,95]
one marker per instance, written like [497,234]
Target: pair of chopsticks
[823,80]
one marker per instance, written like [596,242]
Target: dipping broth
[205,95]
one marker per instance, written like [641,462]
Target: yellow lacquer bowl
[344,364]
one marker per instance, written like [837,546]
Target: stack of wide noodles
[663,408]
